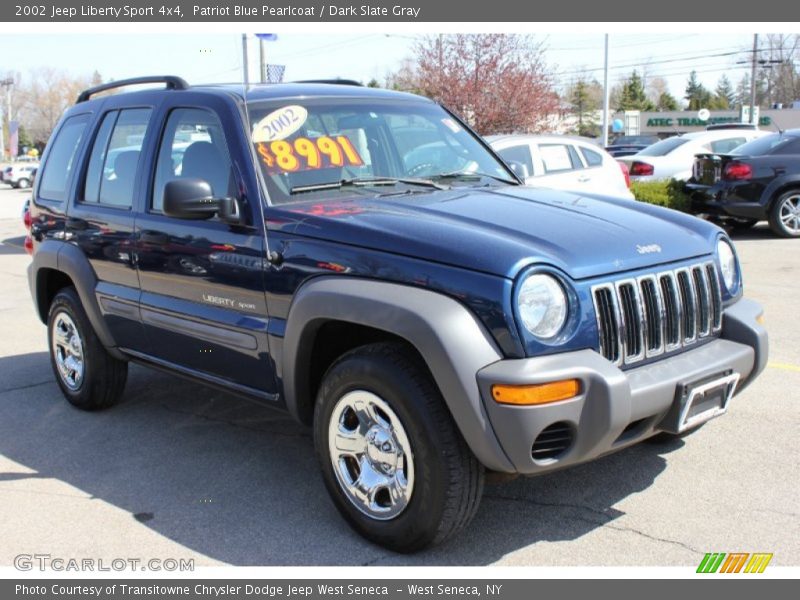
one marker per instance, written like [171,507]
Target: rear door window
[61,159]
[115,157]
[557,157]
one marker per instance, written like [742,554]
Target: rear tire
[391,455]
[23,183]
[784,215]
[89,377]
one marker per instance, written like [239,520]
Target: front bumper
[616,408]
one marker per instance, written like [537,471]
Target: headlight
[542,305]
[727,263]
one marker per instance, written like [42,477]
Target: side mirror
[520,170]
[193,198]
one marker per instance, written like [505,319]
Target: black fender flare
[69,260]
[448,336]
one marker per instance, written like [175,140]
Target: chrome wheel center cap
[381,449]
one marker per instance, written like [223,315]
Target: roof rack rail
[172,82]
[336,81]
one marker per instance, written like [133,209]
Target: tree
[46,95]
[373,83]
[498,83]
[696,93]
[585,98]
[724,93]
[667,102]
[633,96]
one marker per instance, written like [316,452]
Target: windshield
[761,145]
[330,147]
[663,147]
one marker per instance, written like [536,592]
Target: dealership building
[665,124]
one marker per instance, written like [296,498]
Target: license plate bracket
[700,401]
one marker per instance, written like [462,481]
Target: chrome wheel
[371,455]
[789,214]
[68,351]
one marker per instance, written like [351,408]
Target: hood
[503,230]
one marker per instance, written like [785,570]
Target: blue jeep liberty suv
[362,260]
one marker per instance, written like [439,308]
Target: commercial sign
[696,122]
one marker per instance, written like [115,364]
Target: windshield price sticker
[280,124]
[306,154]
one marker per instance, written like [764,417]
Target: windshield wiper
[366,182]
[475,175]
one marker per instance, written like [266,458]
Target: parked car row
[735,174]
[19,175]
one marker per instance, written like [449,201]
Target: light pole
[605,98]
[753,79]
[5,83]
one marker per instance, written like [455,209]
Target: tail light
[736,170]
[625,173]
[26,219]
[28,244]
[639,168]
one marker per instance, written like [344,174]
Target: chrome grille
[659,313]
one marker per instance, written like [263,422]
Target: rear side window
[593,159]
[520,154]
[61,159]
[791,146]
[114,161]
[726,145]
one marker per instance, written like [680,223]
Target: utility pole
[605,97]
[753,79]
[245,66]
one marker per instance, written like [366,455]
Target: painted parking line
[784,366]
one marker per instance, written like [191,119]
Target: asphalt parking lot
[180,471]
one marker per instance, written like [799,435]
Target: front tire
[391,455]
[784,216]
[23,183]
[89,377]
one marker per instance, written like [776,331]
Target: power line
[640,64]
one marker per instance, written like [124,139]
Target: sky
[206,58]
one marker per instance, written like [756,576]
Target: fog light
[543,393]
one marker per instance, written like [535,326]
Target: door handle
[77,224]
[154,237]
[584,179]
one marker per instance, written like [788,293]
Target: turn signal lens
[544,393]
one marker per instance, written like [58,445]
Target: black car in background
[759,180]
[627,145]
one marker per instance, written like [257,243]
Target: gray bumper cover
[616,408]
